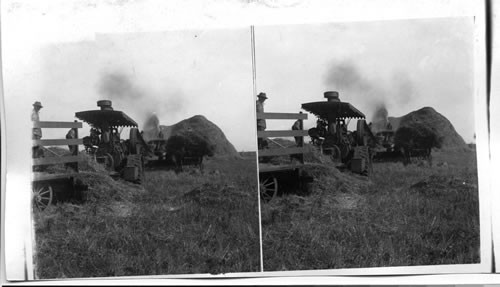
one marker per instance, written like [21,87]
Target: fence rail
[298,134]
[282,151]
[39,143]
[284,133]
[281,116]
[57,160]
[52,125]
[58,142]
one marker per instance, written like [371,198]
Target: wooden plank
[282,151]
[281,116]
[281,133]
[41,176]
[58,142]
[57,160]
[263,168]
[67,125]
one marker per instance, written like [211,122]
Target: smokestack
[332,96]
[105,105]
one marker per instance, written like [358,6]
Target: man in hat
[37,132]
[261,123]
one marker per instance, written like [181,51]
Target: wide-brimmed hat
[37,104]
[262,95]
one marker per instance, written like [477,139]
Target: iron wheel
[42,196]
[268,188]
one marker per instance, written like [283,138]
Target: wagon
[272,176]
[45,184]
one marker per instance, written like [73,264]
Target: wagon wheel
[42,196]
[344,150]
[109,162]
[336,154]
[268,188]
[118,158]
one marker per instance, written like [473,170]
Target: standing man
[73,149]
[261,123]
[297,126]
[37,132]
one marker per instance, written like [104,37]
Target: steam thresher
[122,157]
[350,149]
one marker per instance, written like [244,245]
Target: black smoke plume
[133,96]
[380,118]
[373,96]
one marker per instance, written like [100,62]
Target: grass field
[400,216]
[174,224]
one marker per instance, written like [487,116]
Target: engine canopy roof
[100,118]
[333,110]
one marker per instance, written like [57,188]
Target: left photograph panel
[140,150]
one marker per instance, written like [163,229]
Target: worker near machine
[297,126]
[261,123]
[37,132]
[332,127]
[299,141]
[343,127]
[73,149]
[35,117]
[106,133]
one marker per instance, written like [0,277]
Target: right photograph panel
[366,135]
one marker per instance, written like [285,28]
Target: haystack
[197,130]
[436,122]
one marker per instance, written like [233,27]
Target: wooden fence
[72,159]
[284,133]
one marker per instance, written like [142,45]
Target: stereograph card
[253,139]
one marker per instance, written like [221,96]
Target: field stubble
[174,224]
[401,216]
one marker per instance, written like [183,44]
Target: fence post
[301,142]
[75,151]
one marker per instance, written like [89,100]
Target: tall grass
[176,223]
[402,216]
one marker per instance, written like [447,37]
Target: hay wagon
[45,184]
[272,176]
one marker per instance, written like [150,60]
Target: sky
[403,65]
[174,74]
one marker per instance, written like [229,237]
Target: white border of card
[160,16]
[495,131]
